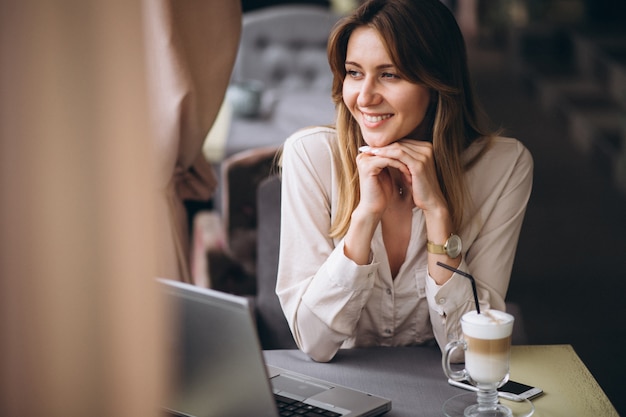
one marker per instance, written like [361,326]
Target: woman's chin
[377,141]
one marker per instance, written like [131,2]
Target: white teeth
[374,119]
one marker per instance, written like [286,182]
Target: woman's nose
[368,94]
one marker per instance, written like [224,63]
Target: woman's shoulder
[318,133]
[318,142]
[513,151]
[504,149]
[503,157]
[507,145]
[308,154]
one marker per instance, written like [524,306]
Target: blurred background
[132,145]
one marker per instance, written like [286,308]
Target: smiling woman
[407,178]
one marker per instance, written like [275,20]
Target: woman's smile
[375,120]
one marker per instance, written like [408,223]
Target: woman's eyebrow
[379,67]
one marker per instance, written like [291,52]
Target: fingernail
[365,149]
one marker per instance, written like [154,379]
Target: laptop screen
[218,365]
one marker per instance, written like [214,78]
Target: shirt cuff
[345,273]
[339,291]
[450,296]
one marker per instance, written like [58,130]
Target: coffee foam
[490,324]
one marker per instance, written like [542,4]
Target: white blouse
[330,302]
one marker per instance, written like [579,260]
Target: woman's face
[386,106]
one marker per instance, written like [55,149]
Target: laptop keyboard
[289,407]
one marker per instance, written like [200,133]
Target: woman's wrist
[357,242]
[439,227]
[438,224]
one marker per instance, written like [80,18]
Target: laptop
[219,368]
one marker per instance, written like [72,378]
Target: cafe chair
[240,175]
[272,325]
[273,329]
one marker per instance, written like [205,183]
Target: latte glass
[487,345]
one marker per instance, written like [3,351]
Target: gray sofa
[284,47]
[283,51]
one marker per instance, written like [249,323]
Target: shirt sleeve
[447,303]
[493,232]
[322,292]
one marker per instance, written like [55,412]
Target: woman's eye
[353,73]
[389,75]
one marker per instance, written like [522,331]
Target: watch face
[454,246]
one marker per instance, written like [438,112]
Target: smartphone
[514,391]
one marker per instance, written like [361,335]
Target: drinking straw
[466,275]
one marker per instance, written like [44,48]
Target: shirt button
[387,331]
[388,291]
[441,301]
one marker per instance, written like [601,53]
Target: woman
[362,232]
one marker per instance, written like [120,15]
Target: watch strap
[435,248]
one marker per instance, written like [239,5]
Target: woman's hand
[419,158]
[377,189]
[376,184]
[416,162]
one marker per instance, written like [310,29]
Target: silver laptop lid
[219,369]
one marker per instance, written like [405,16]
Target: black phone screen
[515,387]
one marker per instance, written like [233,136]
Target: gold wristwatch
[452,247]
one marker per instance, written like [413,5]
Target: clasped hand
[410,162]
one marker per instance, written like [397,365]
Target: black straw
[466,275]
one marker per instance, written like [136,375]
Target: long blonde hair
[426,45]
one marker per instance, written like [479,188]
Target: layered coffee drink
[488,339]
[487,345]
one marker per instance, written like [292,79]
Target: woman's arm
[500,189]
[321,290]
[416,162]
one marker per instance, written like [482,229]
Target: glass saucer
[456,406]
